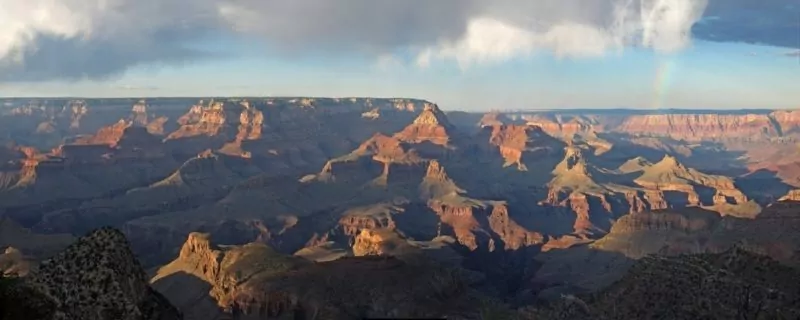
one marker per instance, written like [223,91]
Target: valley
[332,208]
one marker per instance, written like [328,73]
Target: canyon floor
[336,208]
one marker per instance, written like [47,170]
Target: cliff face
[98,277]
[738,289]
[559,126]
[704,126]
[513,141]
[687,126]
[430,126]
[139,115]
[109,135]
[201,121]
[156,126]
[596,194]
[24,248]
[665,232]
[254,282]
[787,121]
[250,122]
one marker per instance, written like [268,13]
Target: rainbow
[662,82]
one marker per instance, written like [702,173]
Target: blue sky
[468,74]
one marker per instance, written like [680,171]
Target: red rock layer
[199,121]
[701,126]
[788,120]
[511,140]
[108,135]
[430,126]
[387,149]
[513,235]
[559,127]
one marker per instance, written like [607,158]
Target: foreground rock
[21,249]
[735,284]
[97,277]
[253,281]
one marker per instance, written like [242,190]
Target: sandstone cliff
[109,135]
[430,126]
[703,126]
[515,140]
[139,116]
[665,232]
[201,120]
[692,126]
[254,282]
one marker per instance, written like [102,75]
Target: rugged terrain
[97,277]
[517,206]
[735,284]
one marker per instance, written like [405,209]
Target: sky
[462,54]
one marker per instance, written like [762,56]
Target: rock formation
[514,140]
[109,135]
[430,126]
[559,204]
[654,285]
[24,249]
[201,120]
[98,277]
[253,281]
[139,115]
[704,126]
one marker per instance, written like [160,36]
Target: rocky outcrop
[690,126]
[98,277]
[559,126]
[788,121]
[25,248]
[254,282]
[793,195]
[226,274]
[201,121]
[372,114]
[109,135]
[77,110]
[430,126]
[380,242]
[388,150]
[493,119]
[512,141]
[156,126]
[466,228]
[250,122]
[729,279]
[665,232]
[513,235]
[701,126]
[139,115]
[13,263]
[670,175]
[379,216]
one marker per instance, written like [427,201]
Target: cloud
[578,29]
[76,39]
[96,39]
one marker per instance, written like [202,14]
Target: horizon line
[533,109]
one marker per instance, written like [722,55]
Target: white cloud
[663,25]
[52,39]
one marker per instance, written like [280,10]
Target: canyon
[235,207]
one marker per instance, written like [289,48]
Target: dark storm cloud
[766,22]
